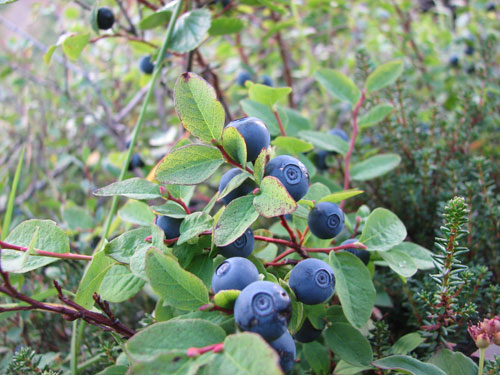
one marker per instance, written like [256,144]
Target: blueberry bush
[249,187]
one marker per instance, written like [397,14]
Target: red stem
[5,245]
[148,4]
[129,37]
[194,352]
[278,118]
[288,229]
[347,160]
[180,201]
[231,161]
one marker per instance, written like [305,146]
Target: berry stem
[5,245]
[288,229]
[216,348]
[280,123]
[128,37]
[355,129]
[170,197]
[231,161]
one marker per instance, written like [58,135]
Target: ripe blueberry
[469,50]
[326,220]
[135,162]
[266,80]
[320,160]
[490,7]
[285,346]
[265,308]
[292,174]
[242,77]
[255,134]
[170,226]
[246,187]
[234,273]
[242,247]
[307,333]
[360,253]
[312,281]
[339,133]
[105,18]
[145,65]
[454,62]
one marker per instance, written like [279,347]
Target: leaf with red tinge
[273,199]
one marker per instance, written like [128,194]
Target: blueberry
[339,133]
[234,273]
[246,187]
[320,160]
[307,333]
[135,162]
[242,247]
[471,69]
[360,253]
[454,62]
[326,220]
[265,308]
[128,143]
[170,226]
[490,7]
[105,18]
[242,77]
[255,134]
[266,80]
[469,50]
[145,65]
[292,174]
[312,281]
[285,346]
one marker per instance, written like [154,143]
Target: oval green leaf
[234,144]
[338,85]
[384,75]
[135,188]
[349,344]
[375,115]
[273,199]
[375,166]
[190,30]
[382,231]
[410,365]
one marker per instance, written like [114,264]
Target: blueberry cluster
[244,76]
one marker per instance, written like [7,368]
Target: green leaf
[5,2]
[399,262]
[119,284]
[114,370]
[420,255]
[408,364]
[190,30]
[341,195]
[123,247]
[135,188]
[170,208]
[338,85]
[317,357]
[198,108]
[73,45]
[353,286]
[193,225]
[136,212]
[384,75]
[247,354]
[47,56]
[12,196]
[234,144]
[325,141]
[454,363]
[375,115]
[92,279]
[255,109]
[407,343]
[297,309]
[382,231]
[375,166]
[344,368]
[234,183]
[259,166]
[266,95]
[160,17]
[172,283]
[235,220]
[226,298]
[292,145]
[189,165]
[49,238]
[225,26]
[349,344]
[273,199]
[77,218]
[173,336]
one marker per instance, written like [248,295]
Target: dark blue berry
[490,7]
[454,62]
[469,50]
[135,162]
[105,18]
[320,160]
[312,281]
[339,133]
[265,308]
[307,333]
[234,273]
[285,346]
[360,253]
[292,174]
[326,220]
[246,187]
[266,80]
[170,226]
[146,65]
[242,247]
[471,69]
[242,77]
[255,134]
